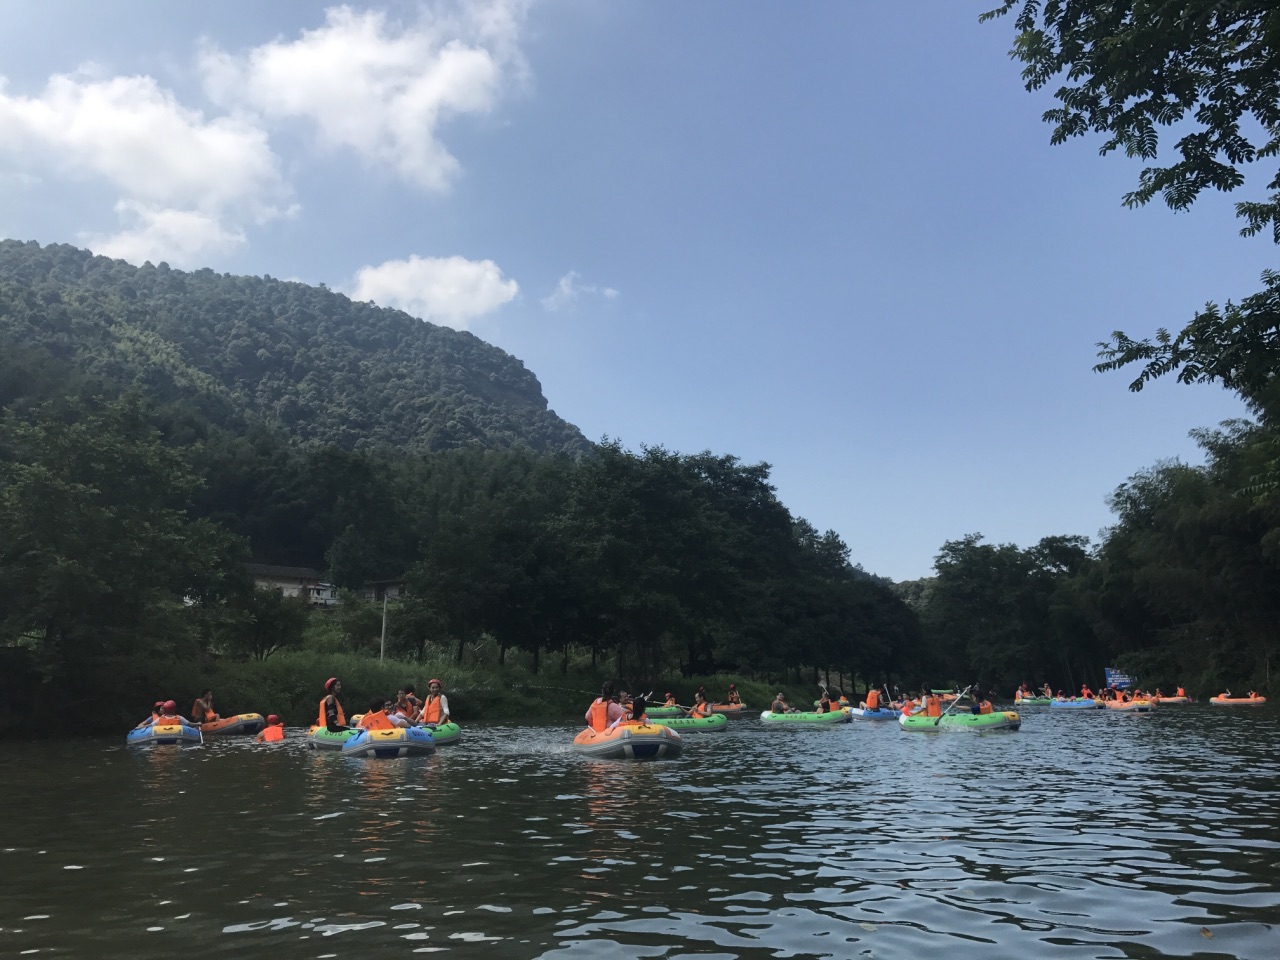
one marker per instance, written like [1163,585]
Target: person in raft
[873,700]
[393,713]
[732,695]
[435,709]
[670,701]
[331,716]
[701,707]
[273,732]
[412,698]
[155,712]
[779,704]
[376,718]
[604,710]
[202,709]
[167,717]
[404,708]
[635,714]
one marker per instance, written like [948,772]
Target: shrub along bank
[291,685]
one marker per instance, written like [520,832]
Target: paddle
[953,704]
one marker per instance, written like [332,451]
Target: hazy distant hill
[303,358]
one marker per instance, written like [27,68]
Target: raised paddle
[953,704]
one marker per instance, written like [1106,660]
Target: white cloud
[186,184]
[569,290]
[449,290]
[380,88]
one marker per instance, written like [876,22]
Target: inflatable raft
[445,733]
[717,721]
[1129,706]
[729,709]
[319,738]
[665,712]
[1032,702]
[1221,701]
[880,713]
[1175,701]
[1076,704]
[240,723]
[808,719]
[175,734]
[385,744]
[629,741]
[996,720]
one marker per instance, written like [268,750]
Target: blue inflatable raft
[176,734]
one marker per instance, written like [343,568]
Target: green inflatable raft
[808,719]
[654,713]
[319,738]
[996,720]
[1033,702]
[443,733]
[717,721]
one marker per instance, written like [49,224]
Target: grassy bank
[291,684]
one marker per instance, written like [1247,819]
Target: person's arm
[444,709]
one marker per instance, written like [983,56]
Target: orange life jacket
[909,706]
[873,699]
[1181,692]
[599,715]
[733,697]
[342,717]
[985,707]
[932,707]
[172,721]
[702,709]
[431,712]
[377,720]
[201,715]
[271,733]
[670,702]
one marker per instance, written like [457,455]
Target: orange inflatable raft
[1222,701]
[240,723]
[629,741]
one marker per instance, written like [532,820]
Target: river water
[1081,836]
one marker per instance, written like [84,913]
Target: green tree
[97,555]
[1210,68]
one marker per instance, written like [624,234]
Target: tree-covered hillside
[256,349]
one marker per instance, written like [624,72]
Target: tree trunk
[458,656]
[537,656]
[564,660]
[502,655]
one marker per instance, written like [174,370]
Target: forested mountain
[254,349]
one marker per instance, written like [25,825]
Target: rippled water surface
[1081,836]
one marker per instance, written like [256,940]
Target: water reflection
[1080,836]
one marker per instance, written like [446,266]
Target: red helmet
[169,705]
[272,718]
[328,684]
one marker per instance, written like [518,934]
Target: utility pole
[382,651]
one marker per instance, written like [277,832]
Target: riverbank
[291,684]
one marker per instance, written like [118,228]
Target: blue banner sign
[1115,678]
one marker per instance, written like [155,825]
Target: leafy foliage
[1210,68]
[254,350]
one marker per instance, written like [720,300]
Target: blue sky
[830,236]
